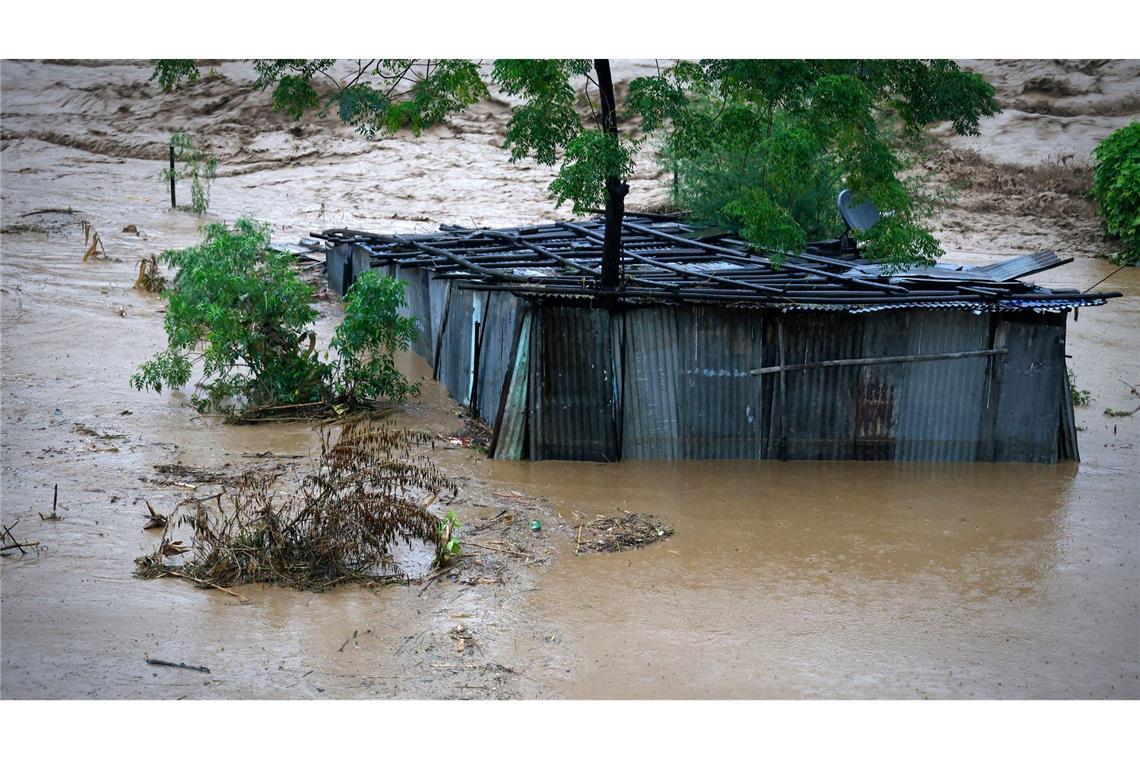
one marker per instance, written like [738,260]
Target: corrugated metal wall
[941,403]
[418,306]
[511,428]
[575,412]
[651,414]
[885,333]
[1030,391]
[719,400]
[458,344]
[818,417]
[675,382]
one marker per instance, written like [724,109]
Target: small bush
[239,308]
[1116,185]
[1078,396]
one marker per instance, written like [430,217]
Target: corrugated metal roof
[669,261]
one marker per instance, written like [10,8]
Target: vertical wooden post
[173,203]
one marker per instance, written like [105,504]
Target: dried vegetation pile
[369,490]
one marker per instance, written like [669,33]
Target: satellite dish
[858,218]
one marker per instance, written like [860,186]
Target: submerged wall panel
[497,338]
[455,362]
[652,374]
[576,411]
[818,416]
[878,385]
[942,404]
[418,306]
[512,427]
[1031,381]
[718,399]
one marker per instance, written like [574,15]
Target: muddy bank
[794,579]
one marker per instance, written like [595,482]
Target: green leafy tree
[830,113]
[756,139]
[1116,184]
[240,309]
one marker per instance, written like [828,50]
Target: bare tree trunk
[616,189]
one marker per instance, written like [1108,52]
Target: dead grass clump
[91,239]
[629,530]
[150,278]
[368,491]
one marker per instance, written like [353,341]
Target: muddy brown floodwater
[782,580]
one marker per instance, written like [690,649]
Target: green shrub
[1116,184]
[240,309]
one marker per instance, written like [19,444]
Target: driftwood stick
[15,544]
[208,583]
[184,666]
[498,549]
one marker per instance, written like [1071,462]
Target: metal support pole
[173,203]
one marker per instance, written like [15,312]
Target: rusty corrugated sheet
[498,332]
[720,403]
[575,405]
[817,420]
[942,404]
[438,291]
[878,385]
[512,427]
[1030,380]
[651,378]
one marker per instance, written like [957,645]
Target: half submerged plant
[238,308]
[448,541]
[369,492]
[199,167]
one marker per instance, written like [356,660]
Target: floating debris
[155,519]
[630,530]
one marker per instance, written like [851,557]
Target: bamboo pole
[782,368]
